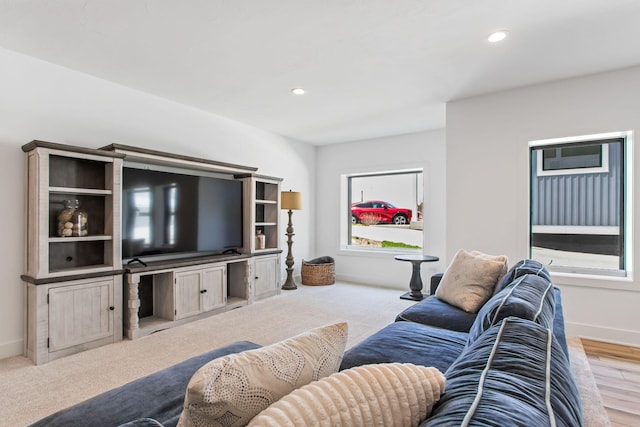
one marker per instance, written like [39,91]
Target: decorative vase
[260,240]
[72,220]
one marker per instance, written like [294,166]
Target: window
[384,210]
[579,203]
[573,159]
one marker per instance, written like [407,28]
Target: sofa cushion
[435,312]
[527,297]
[529,266]
[234,389]
[391,394]
[525,266]
[513,374]
[159,396]
[407,342]
[470,279]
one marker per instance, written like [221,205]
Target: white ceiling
[371,67]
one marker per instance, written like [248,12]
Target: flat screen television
[175,213]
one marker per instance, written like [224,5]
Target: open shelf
[266,192]
[97,207]
[262,209]
[266,212]
[75,172]
[66,254]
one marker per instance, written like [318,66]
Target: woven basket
[318,271]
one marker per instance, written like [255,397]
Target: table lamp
[290,200]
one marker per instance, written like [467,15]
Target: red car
[379,212]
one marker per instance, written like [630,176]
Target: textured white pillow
[231,390]
[386,395]
[470,279]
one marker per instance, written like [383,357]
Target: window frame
[603,168]
[346,225]
[626,230]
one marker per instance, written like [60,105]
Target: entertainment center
[123,241]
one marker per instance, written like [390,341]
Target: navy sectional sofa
[505,365]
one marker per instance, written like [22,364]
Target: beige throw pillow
[231,390]
[387,394]
[470,279]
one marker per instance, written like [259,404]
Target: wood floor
[616,370]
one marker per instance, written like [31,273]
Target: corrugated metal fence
[586,199]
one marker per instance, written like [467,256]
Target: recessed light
[298,91]
[497,36]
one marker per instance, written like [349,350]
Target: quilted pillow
[392,394]
[470,279]
[231,390]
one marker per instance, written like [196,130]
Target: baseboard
[12,348]
[599,333]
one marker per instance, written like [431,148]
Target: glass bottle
[260,239]
[73,221]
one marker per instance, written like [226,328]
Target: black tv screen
[169,214]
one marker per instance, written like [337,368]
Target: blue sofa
[505,365]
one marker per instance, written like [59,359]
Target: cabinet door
[214,288]
[188,285]
[266,273]
[80,314]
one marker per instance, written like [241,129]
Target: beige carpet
[31,392]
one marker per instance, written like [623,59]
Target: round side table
[416,280]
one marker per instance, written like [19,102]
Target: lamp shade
[291,200]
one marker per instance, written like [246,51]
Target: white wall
[487,182]
[42,101]
[418,150]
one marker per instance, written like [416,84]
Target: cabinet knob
[203,291]
[256,277]
[112,308]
